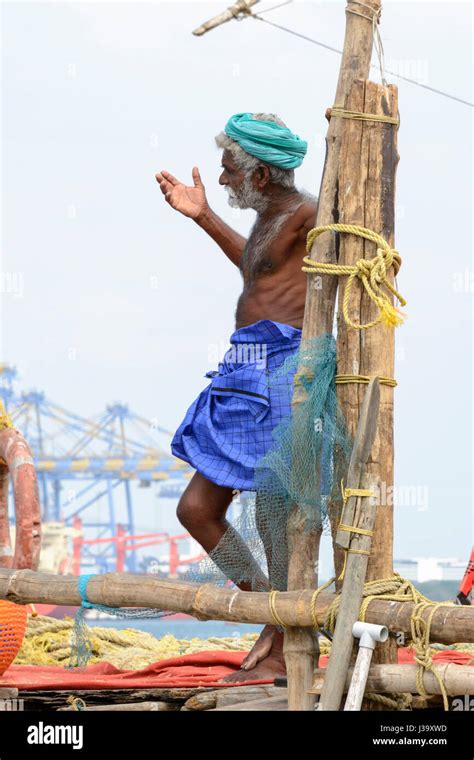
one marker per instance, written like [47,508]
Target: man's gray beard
[246,197]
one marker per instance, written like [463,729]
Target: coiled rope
[371,272]
[395,589]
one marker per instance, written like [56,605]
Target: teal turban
[267,140]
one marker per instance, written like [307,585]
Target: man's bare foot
[264,661]
[260,649]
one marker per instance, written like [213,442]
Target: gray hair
[248,163]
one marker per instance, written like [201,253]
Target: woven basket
[12,630]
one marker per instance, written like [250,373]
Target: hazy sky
[118,297]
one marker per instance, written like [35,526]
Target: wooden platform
[265,697]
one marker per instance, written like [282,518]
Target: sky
[107,294]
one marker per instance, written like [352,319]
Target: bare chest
[264,248]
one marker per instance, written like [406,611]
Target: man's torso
[274,285]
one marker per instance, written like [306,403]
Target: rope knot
[423,659]
[396,588]
[371,272]
[364,268]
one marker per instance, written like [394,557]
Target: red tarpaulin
[191,670]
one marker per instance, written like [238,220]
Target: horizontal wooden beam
[208,602]
[399,679]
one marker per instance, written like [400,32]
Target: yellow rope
[276,617]
[371,272]
[48,642]
[344,379]
[348,551]
[352,529]
[348,492]
[420,633]
[272,604]
[398,589]
[5,421]
[398,702]
[360,116]
[359,551]
[314,599]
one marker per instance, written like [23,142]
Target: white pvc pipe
[368,635]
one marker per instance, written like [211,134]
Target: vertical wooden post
[301,646]
[368,165]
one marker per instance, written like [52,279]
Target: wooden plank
[363,441]
[230,695]
[351,600]
[8,693]
[227,697]
[270,704]
[127,707]
[53,699]
[363,516]
[205,701]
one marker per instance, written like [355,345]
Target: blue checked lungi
[229,426]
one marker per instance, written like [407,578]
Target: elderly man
[228,428]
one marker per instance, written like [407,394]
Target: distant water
[181,629]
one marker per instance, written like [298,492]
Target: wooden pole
[235,10]
[399,679]
[367,194]
[368,164]
[207,602]
[301,647]
[356,564]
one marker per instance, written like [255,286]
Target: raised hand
[189,200]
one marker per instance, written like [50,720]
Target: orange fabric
[201,669]
[12,629]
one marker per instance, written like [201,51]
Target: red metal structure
[465,589]
[125,542]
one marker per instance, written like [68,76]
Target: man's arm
[192,202]
[309,211]
[226,238]
[292,236]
